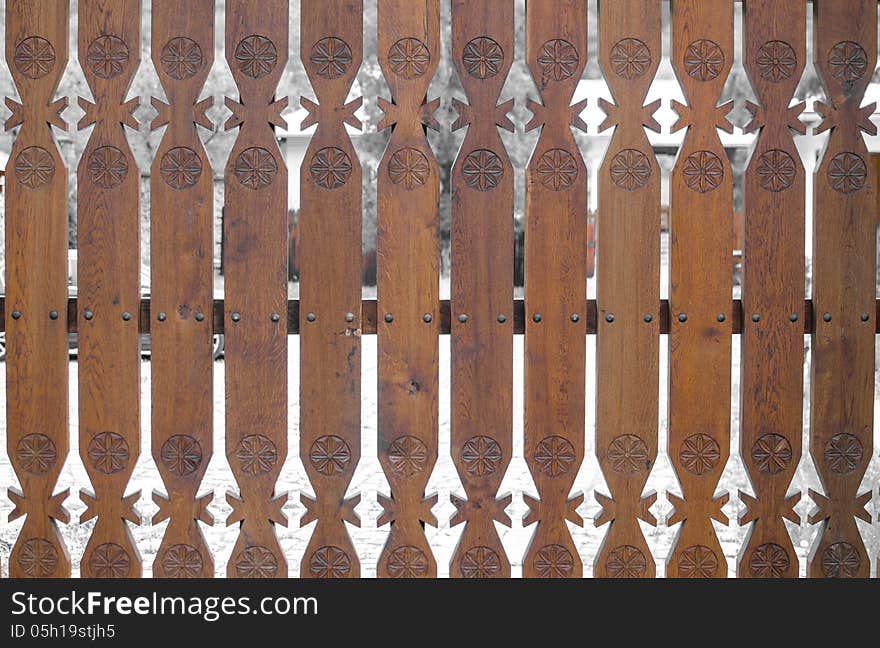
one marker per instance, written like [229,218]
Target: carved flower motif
[554,561]
[630,58]
[554,456]
[255,168]
[558,60]
[626,561]
[182,561]
[480,562]
[109,560]
[257,454]
[409,58]
[481,455]
[482,57]
[841,560]
[330,168]
[843,453]
[482,170]
[848,61]
[107,167]
[698,562]
[181,58]
[35,453]
[330,455]
[107,56]
[38,558]
[630,169]
[256,562]
[771,453]
[769,561]
[331,57]
[408,456]
[776,170]
[557,169]
[776,61]
[181,454]
[34,167]
[409,167]
[847,172]
[330,562]
[181,168]
[108,452]
[703,171]
[34,57]
[699,453]
[703,60]
[256,56]
[628,454]
[407,562]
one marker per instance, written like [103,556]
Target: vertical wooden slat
[772,371]
[556,279]
[482,291]
[330,285]
[36,286]
[108,234]
[700,287]
[627,352]
[408,284]
[181,260]
[255,268]
[844,285]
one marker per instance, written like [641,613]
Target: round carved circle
[557,169]
[630,58]
[848,61]
[330,562]
[109,560]
[841,560]
[626,561]
[776,170]
[36,453]
[255,168]
[480,562]
[554,456]
[330,455]
[407,562]
[558,60]
[330,57]
[108,452]
[769,561]
[330,168]
[107,56]
[256,56]
[34,57]
[776,61]
[107,167]
[628,454]
[181,454]
[481,455]
[181,58]
[703,171]
[771,453]
[699,454]
[182,561]
[847,173]
[181,167]
[482,57]
[843,453]
[257,454]
[554,561]
[407,455]
[482,170]
[34,167]
[38,558]
[409,58]
[703,60]
[256,562]
[697,562]
[409,167]
[630,169]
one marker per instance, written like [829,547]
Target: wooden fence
[482,316]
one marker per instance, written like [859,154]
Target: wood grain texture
[555,283]
[330,286]
[181,238]
[844,288]
[108,237]
[627,352]
[772,347]
[407,263]
[482,291]
[701,241]
[36,286]
[255,268]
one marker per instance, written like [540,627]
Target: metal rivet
[53,315]
[865,317]
[162,317]
[427,318]
[536,317]
[275,317]
[575,318]
[88,314]
[463,318]
[721,317]
[389,317]
[827,317]
[609,318]
[683,318]
[648,318]
[126,316]
[793,317]
[236,317]
[756,317]
[200,317]
[349,317]
[502,318]
[16,314]
[311,317]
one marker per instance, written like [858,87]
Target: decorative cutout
[407,562]
[843,453]
[699,454]
[480,562]
[698,562]
[181,58]
[703,60]
[628,454]
[841,560]
[554,456]
[409,58]
[772,453]
[256,56]
[558,60]
[626,562]
[848,61]
[257,454]
[847,173]
[181,454]
[107,56]
[482,57]
[182,561]
[34,57]
[630,170]
[409,167]
[408,456]
[107,167]
[776,170]
[331,57]
[109,560]
[330,562]
[557,169]
[181,168]
[256,562]
[482,170]
[554,561]
[703,171]
[108,452]
[776,61]
[481,456]
[38,558]
[330,455]
[36,453]
[330,168]
[769,561]
[255,168]
[34,167]
[630,58]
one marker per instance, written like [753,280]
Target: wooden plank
[844,288]
[181,266]
[771,369]
[700,287]
[628,342]
[108,236]
[556,279]
[408,284]
[482,290]
[330,286]
[36,286]
[255,268]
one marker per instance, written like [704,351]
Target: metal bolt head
[536,317]
[389,318]
[502,318]
[349,317]
[88,314]
[311,317]
[609,318]
[427,318]
[827,317]
[53,315]
[199,317]
[463,318]
[648,318]
[756,317]
[721,317]
[275,317]
[683,318]
[793,317]
[865,317]
[126,316]
[236,317]
[575,318]
[162,317]
[16,314]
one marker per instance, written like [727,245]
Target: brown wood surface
[555,283]
[255,268]
[701,231]
[771,383]
[844,288]
[407,262]
[108,238]
[181,240]
[330,286]
[627,352]
[36,286]
[482,288]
